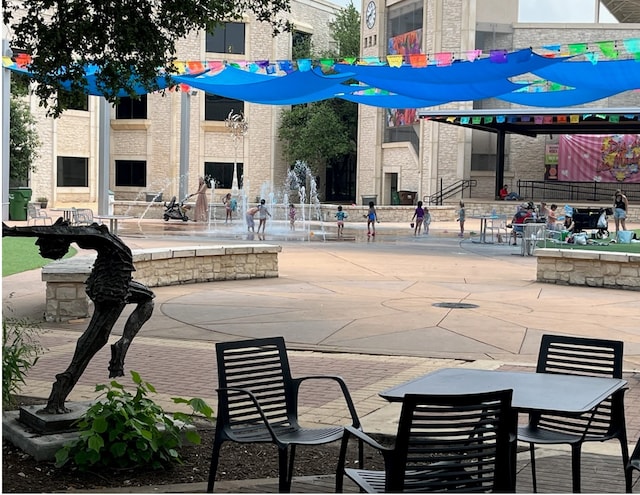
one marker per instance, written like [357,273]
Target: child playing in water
[292,217]
[340,216]
[372,218]
[427,220]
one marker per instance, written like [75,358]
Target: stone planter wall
[588,268]
[67,299]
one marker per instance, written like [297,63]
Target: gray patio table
[549,392]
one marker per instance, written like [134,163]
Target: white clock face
[370,15]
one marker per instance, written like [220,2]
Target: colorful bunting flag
[395,60]
[473,55]
[418,59]
[304,64]
[577,48]
[444,59]
[632,45]
[608,48]
[498,56]
[574,119]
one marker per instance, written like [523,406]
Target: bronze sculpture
[110,286]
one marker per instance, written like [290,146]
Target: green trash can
[19,198]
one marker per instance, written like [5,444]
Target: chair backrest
[262,367]
[454,443]
[33,211]
[83,216]
[581,356]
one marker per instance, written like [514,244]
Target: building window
[130,108]
[226,38]
[300,45]
[131,173]
[222,173]
[483,162]
[218,107]
[73,171]
[74,102]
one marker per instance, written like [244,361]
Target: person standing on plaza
[372,218]
[201,201]
[461,218]
[340,217]
[418,215]
[552,219]
[292,217]
[620,208]
[262,215]
[427,220]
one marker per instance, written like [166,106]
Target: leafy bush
[125,431]
[20,352]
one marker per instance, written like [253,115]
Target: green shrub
[20,352]
[125,431]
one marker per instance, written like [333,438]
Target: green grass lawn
[603,245]
[20,254]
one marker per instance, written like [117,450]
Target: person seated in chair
[569,224]
[505,195]
[517,222]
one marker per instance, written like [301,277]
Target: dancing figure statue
[110,286]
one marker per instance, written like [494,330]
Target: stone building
[399,152]
[145,135]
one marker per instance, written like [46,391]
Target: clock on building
[370,14]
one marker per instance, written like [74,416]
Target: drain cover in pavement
[455,305]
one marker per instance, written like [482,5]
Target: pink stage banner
[599,158]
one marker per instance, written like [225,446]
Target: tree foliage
[345,30]
[313,134]
[23,138]
[319,132]
[121,38]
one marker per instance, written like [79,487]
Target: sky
[543,10]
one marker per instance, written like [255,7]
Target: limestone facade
[444,152]
[156,139]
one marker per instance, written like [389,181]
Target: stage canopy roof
[554,76]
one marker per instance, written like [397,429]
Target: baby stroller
[592,219]
[175,211]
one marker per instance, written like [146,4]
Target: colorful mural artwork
[408,43]
[599,158]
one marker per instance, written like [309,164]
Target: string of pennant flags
[592,52]
[535,119]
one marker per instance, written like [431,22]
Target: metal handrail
[454,189]
[576,191]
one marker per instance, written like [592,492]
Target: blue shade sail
[557,99]
[615,75]
[296,87]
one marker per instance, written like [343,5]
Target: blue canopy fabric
[407,86]
[296,87]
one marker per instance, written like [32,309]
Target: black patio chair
[634,463]
[258,403]
[451,443]
[579,356]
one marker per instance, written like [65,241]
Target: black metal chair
[634,463]
[579,356]
[453,443]
[258,403]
